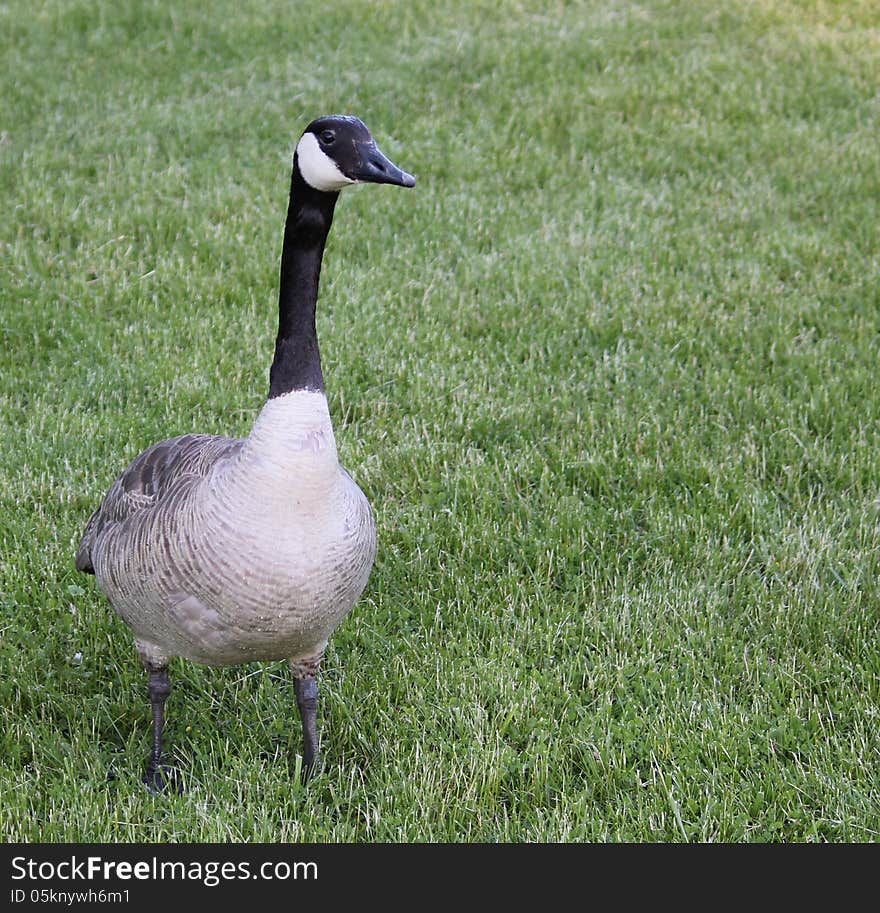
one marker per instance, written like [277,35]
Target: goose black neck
[297,362]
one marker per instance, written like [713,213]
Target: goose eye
[327,137]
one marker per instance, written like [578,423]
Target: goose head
[338,150]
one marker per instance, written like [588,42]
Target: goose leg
[159,776]
[307,700]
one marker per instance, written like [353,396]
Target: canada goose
[228,550]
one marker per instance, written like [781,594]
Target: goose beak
[374,168]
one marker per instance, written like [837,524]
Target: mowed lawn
[609,376]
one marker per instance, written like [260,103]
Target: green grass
[608,376]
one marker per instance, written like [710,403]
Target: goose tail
[84,552]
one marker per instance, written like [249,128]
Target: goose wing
[144,482]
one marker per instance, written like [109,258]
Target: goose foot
[159,776]
[307,700]
[161,779]
[307,770]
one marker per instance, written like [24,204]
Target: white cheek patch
[317,168]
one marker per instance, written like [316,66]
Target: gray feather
[147,479]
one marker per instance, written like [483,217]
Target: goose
[232,550]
